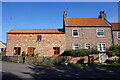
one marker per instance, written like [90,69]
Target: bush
[114,50]
[79,52]
[109,61]
[24,53]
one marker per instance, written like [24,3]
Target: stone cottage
[116,32]
[77,33]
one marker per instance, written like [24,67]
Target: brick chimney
[102,15]
[64,15]
[64,18]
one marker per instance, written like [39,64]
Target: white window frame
[86,47]
[117,35]
[102,47]
[100,35]
[75,46]
[77,31]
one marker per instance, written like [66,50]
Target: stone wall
[44,47]
[88,35]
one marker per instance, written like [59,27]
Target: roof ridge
[82,17]
[114,22]
[29,29]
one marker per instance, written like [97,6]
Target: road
[23,71]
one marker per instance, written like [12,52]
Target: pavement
[21,71]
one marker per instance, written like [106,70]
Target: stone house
[116,32]
[77,33]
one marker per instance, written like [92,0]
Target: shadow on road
[44,71]
[9,76]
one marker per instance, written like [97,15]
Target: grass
[76,64]
[115,64]
[98,64]
[82,64]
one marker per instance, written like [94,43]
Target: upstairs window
[17,50]
[87,46]
[100,33]
[102,47]
[75,33]
[118,35]
[75,46]
[39,37]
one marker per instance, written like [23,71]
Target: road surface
[24,71]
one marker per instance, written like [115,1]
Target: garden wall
[37,60]
[76,59]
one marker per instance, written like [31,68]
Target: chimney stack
[64,15]
[102,15]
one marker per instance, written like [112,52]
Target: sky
[49,15]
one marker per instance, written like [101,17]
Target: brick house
[77,33]
[116,32]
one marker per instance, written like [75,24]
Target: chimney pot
[102,15]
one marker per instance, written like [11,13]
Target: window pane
[99,47]
[15,51]
[39,37]
[100,32]
[57,50]
[87,46]
[18,51]
[119,35]
[75,46]
[75,32]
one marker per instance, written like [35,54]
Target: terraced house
[77,33]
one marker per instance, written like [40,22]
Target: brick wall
[75,59]
[115,36]
[44,47]
[88,35]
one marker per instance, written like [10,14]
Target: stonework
[43,47]
[87,35]
[115,37]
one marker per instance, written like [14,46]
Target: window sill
[16,55]
[75,36]
[56,54]
[100,36]
[118,39]
[38,40]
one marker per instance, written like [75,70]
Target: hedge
[79,52]
[114,50]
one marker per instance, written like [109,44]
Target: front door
[30,51]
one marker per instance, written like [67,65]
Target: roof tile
[36,31]
[115,25]
[78,21]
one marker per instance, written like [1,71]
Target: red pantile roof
[115,25]
[78,21]
[36,31]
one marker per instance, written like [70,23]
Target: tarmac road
[26,71]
